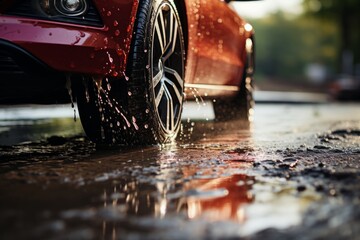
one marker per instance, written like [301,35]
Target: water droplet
[117,33]
[74,114]
[146,126]
[77,40]
[136,126]
[87,96]
[106,40]
[108,13]
[69,88]
[220,20]
[129,93]
[110,58]
[116,23]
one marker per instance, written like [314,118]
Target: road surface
[292,173]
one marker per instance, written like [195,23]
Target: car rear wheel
[242,105]
[145,106]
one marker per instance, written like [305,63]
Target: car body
[345,88]
[41,47]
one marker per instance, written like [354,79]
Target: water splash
[188,126]
[68,87]
[112,112]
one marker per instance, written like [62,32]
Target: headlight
[70,8]
[71,5]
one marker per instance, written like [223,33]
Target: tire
[145,106]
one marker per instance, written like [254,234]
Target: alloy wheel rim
[167,67]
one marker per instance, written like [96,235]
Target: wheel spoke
[170,111]
[170,47]
[157,78]
[175,74]
[159,96]
[176,90]
[159,35]
[163,29]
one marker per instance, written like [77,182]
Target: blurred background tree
[286,45]
[345,15]
[312,47]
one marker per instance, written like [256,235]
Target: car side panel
[216,43]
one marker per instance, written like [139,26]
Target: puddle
[151,193]
[230,180]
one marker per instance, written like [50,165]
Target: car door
[217,40]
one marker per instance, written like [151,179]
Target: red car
[128,63]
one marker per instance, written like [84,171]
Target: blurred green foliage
[286,44]
[345,15]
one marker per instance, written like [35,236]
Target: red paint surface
[215,53]
[76,48]
[216,43]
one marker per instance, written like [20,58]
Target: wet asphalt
[293,173]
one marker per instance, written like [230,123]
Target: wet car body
[41,48]
[63,45]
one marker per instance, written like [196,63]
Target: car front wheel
[145,106]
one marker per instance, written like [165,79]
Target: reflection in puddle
[193,193]
[150,191]
[176,203]
[216,199]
